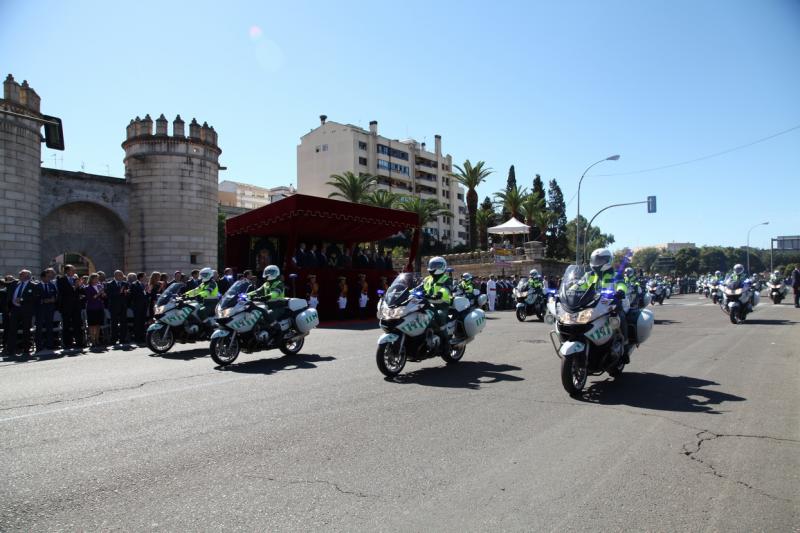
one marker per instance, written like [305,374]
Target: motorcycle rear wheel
[225,350]
[521,314]
[776,300]
[390,363]
[292,348]
[160,340]
[454,355]
[573,377]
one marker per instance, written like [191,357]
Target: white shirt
[491,285]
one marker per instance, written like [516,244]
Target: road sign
[651,204]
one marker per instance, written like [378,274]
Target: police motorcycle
[529,302]
[550,308]
[738,296]
[587,335]
[777,288]
[656,291]
[407,320]
[476,299]
[177,320]
[244,324]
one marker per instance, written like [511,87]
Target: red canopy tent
[282,225]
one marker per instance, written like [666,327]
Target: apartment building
[404,167]
[247,196]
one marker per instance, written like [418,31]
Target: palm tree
[351,187]
[484,218]
[531,205]
[470,177]
[428,210]
[512,200]
[543,219]
[383,198]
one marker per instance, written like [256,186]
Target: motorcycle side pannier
[307,320]
[474,322]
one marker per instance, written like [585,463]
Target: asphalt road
[701,433]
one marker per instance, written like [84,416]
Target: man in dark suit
[194,280]
[69,307]
[138,303]
[117,295]
[226,280]
[48,295]
[4,299]
[24,297]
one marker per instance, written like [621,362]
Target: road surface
[701,433]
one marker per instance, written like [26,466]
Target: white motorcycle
[406,318]
[252,326]
[529,302]
[656,291]
[777,291]
[738,299]
[177,320]
[587,337]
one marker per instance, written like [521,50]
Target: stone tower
[20,162]
[173,195]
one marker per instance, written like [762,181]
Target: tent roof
[311,217]
[511,226]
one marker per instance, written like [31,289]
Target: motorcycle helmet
[271,273]
[534,273]
[629,272]
[600,260]
[437,266]
[206,274]
[718,273]
[738,269]
[777,273]
[466,276]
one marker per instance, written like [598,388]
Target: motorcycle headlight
[393,313]
[582,317]
[737,292]
[160,309]
[225,313]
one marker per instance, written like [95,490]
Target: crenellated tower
[20,161]
[173,196]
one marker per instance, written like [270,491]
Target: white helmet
[738,269]
[437,266]
[600,260]
[271,273]
[533,273]
[466,276]
[718,273]
[629,272]
[777,272]
[206,274]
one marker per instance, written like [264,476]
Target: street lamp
[748,243]
[578,218]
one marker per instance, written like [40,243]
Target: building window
[391,152]
[362,161]
[460,196]
[324,147]
[193,258]
[362,145]
[444,193]
[393,167]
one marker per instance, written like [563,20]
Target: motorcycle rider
[273,293]
[602,277]
[207,290]
[438,290]
[535,281]
[630,279]
[738,273]
[467,287]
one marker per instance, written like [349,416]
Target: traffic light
[651,204]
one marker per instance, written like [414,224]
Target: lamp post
[578,218]
[748,243]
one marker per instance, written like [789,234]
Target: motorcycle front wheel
[161,340]
[522,314]
[225,350]
[776,300]
[390,362]
[573,376]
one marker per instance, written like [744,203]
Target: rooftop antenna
[108,170]
[83,166]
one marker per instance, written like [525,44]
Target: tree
[485,219]
[687,261]
[427,210]
[594,237]
[511,200]
[511,184]
[487,204]
[542,221]
[351,187]
[557,242]
[383,198]
[470,177]
[713,258]
[622,257]
[538,187]
[538,232]
[532,205]
[645,257]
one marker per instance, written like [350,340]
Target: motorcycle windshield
[522,285]
[733,284]
[575,292]
[169,293]
[398,291]
[232,295]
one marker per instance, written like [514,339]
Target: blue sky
[547,86]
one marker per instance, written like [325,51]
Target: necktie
[20,288]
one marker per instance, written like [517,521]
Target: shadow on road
[187,355]
[271,366]
[659,392]
[770,321]
[666,322]
[464,375]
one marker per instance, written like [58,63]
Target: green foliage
[512,200]
[687,261]
[532,207]
[595,238]
[351,187]
[645,257]
[485,219]
[787,272]
[471,177]
[557,241]
[427,210]
[383,198]
[538,187]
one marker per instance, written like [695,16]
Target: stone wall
[20,156]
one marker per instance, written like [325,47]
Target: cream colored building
[404,167]
[247,196]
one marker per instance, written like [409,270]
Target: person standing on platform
[312,291]
[363,296]
[342,298]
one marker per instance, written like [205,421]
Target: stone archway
[84,228]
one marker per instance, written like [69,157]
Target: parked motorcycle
[244,324]
[587,336]
[406,318]
[529,302]
[177,320]
[739,299]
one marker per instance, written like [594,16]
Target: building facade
[247,196]
[404,167]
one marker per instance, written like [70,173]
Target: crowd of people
[334,257]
